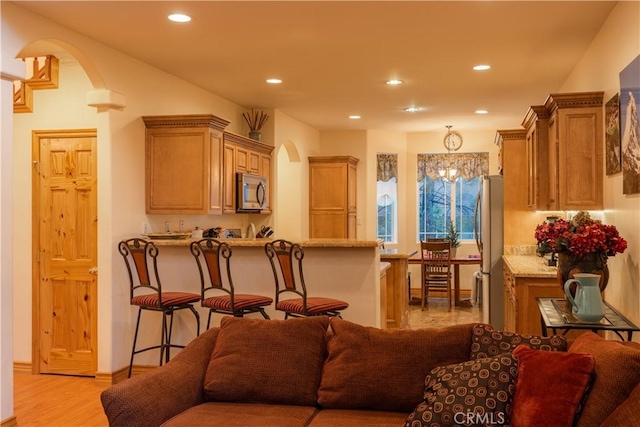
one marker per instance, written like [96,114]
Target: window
[387,197]
[440,200]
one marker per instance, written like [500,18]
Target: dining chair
[435,262]
[218,293]
[286,262]
[138,254]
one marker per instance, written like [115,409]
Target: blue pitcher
[587,306]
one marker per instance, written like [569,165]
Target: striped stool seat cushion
[315,305]
[168,299]
[241,301]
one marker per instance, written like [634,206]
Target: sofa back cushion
[267,361]
[370,368]
[617,373]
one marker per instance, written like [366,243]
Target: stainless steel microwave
[252,193]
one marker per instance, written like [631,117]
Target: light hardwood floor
[64,401]
[57,401]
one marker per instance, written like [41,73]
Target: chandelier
[452,142]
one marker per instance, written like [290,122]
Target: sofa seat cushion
[617,373]
[357,418]
[243,415]
[384,369]
[267,361]
[487,342]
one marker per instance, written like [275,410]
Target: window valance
[469,165]
[387,166]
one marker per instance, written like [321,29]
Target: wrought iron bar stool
[137,254]
[213,260]
[286,262]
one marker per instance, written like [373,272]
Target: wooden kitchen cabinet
[244,155]
[521,312]
[536,124]
[183,164]
[575,154]
[332,197]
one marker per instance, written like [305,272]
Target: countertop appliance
[488,231]
[252,193]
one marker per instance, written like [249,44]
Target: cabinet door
[254,162]
[215,173]
[553,163]
[580,151]
[327,224]
[242,160]
[177,170]
[532,182]
[229,184]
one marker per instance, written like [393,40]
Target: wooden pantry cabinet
[332,197]
[564,151]
[575,159]
[244,155]
[183,164]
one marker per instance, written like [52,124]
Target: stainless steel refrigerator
[490,240]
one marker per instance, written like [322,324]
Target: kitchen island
[344,269]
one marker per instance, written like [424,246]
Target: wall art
[630,119]
[613,148]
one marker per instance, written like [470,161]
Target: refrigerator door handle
[476,223]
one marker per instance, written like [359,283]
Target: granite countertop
[259,243]
[395,253]
[529,266]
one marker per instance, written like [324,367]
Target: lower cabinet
[521,313]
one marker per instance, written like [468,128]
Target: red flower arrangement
[580,236]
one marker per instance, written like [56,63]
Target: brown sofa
[319,372]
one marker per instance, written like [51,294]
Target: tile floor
[437,315]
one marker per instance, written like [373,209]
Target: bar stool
[136,254]
[213,257]
[284,256]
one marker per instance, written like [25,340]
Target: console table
[555,316]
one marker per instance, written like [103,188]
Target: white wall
[616,45]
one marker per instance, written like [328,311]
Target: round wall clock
[452,140]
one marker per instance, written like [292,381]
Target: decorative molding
[510,134]
[187,120]
[24,367]
[334,159]
[534,113]
[243,141]
[574,100]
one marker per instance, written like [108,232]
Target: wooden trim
[534,113]
[22,367]
[573,100]
[186,120]
[9,422]
[334,159]
[243,141]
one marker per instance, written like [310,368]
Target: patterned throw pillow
[487,342]
[477,392]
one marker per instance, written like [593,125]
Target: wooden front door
[65,252]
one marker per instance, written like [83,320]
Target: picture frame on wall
[630,126]
[612,136]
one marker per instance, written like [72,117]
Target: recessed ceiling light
[394,82]
[412,109]
[482,112]
[179,17]
[482,67]
[274,81]
[354,117]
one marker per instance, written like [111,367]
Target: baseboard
[464,293]
[9,422]
[23,367]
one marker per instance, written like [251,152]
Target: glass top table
[556,316]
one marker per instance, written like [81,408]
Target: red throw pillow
[549,387]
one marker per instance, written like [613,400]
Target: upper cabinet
[332,197]
[576,142]
[244,155]
[184,161]
[563,151]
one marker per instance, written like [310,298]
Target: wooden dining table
[456,262]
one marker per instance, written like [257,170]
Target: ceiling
[335,56]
